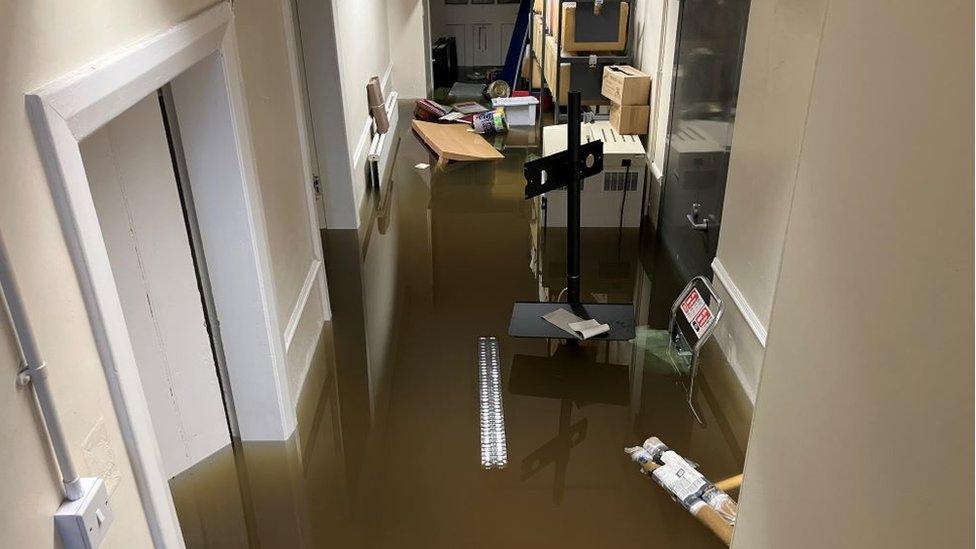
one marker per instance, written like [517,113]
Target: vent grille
[614,181]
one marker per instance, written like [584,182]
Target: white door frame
[200,58]
[296,67]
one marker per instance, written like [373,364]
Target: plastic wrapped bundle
[681,479]
[723,504]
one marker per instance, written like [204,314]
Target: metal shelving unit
[562,56]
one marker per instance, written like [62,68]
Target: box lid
[514,101]
[554,138]
[625,71]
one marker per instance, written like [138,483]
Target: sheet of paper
[680,478]
[697,312]
[451,116]
[562,318]
[574,325]
[589,328]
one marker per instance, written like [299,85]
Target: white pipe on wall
[35,374]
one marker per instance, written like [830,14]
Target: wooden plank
[453,142]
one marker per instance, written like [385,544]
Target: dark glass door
[708,61]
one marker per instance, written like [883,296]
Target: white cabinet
[484,38]
[482,31]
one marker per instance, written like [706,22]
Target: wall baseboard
[743,348]
[752,319]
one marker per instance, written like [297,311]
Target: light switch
[82,524]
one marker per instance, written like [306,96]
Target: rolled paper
[374,92]
[380,118]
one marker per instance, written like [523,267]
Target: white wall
[409,50]
[655,30]
[39,42]
[345,44]
[863,428]
[782,43]
[363,37]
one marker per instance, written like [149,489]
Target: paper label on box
[680,478]
[697,312]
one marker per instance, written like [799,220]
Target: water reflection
[387,450]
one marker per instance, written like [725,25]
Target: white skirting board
[751,318]
[741,335]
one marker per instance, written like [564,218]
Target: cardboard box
[536,71]
[630,119]
[606,32]
[625,85]
[565,72]
[552,15]
[538,37]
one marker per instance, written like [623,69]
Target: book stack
[428,110]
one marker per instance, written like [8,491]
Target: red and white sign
[696,312]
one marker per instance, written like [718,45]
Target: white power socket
[83,524]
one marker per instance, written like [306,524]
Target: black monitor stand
[567,169]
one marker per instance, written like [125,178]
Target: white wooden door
[484,38]
[482,30]
[307,115]
[139,210]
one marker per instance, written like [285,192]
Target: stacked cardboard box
[606,30]
[565,71]
[629,92]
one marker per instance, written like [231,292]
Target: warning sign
[696,312]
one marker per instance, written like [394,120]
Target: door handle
[698,225]
[698,221]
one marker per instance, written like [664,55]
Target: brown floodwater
[387,452]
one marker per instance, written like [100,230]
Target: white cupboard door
[130,171]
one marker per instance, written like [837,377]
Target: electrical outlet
[83,524]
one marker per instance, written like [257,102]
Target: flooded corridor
[387,449]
